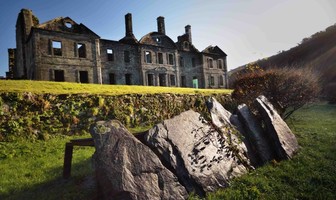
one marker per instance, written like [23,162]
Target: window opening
[210,63]
[128,78]
[211,80]
[181,61]
[83,77]
[183,81]
[68,24]
[112,78]
[110,56]
[162,79]
[59,75]
[81,50]
[160,58]
[221,80]
[172,80]
[220,65]
[150,79]
[193,62]
[57,48]
[171,59]
[148,57]
[127,56]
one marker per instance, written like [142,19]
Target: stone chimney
[161,25]
[188,32]
[128,25]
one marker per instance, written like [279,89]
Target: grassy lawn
[33,170]
[39,87]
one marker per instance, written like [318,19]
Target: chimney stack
[128,24]
[188,32]
[161,25]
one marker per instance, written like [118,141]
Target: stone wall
[39,115]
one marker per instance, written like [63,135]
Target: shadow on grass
[81,185]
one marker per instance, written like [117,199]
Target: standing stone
[255,134]
[128,169]
[201,156]
[282,138]
[224,120]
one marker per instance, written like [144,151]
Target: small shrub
[288,89]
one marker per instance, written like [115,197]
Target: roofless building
[63,50]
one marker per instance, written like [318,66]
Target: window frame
[110,56]
[55,49]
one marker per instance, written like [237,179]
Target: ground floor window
[59,75]
[162,79]
[221,80]
[195,82]
[150,79]
[172,80]
[112,78]
[183,81]
[128,78]
[83,77]
[211,80]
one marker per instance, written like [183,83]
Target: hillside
[318,51]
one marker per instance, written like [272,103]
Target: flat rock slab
[198,154]
[128,169]
[282,139]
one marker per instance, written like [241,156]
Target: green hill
[317,51]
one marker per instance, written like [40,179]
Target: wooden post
[67,160]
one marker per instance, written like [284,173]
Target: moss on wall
[40,116]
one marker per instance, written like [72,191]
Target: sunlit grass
[41,87]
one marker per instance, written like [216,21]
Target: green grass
[33,169]
[311,174]
[41,87]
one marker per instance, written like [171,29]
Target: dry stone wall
[39,116]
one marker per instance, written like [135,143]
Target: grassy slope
[32,170]
[41,87]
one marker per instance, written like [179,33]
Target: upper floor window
[193,62]
[171,59]
[220,64]
[56,47]
[160,58]
[81,50]
[181,61]
[110,55]
[127,56]
[148,57]
[210,63]
[186,45]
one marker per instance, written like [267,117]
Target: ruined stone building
[63,50]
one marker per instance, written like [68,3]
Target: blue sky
[246,30]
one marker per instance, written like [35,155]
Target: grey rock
[196,151]
[282,138]
[228,123]
[127,169]
[255,134]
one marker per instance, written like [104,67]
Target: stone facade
[62,50]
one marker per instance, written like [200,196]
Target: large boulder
[255,134]
[128,169]
[282,139]
[225,122]
[202,157]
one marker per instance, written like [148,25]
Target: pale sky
[246,30]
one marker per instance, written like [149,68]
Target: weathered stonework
[62,50]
